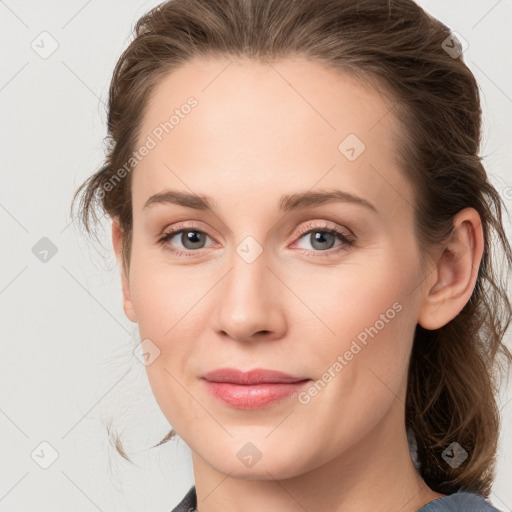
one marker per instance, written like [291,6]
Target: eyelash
[348,241]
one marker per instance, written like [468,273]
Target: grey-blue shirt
[458,502]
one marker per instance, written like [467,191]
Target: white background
[65,364]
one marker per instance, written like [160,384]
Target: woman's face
[257,281]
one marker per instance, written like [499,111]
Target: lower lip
[254,396]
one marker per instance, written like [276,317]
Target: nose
[250,302]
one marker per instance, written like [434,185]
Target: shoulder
[188,503]
[459,502]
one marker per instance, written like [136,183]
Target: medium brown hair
[399,49]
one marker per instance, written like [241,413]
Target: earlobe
[454,276]
[117,242]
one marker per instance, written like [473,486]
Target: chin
[248,462]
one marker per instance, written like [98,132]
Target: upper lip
[256,376]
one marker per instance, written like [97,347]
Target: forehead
[292,124]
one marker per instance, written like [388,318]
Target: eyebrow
[287,203]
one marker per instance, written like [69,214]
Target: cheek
[368,318]
[167,304]
[362,365]
[163,296]
[359,294]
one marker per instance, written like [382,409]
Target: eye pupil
[319,236]
[193,237]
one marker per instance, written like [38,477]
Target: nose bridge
[248,258]
[247,282]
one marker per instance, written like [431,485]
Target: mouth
[255,389]
[252,377]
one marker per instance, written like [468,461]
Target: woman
[304,230]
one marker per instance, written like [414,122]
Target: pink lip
[251,390]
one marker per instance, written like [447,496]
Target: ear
[453,280]
[117,242]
